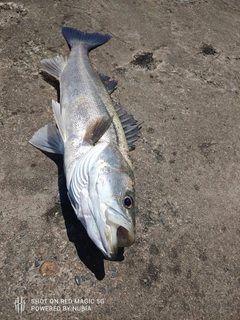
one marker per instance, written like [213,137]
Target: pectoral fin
[97,129]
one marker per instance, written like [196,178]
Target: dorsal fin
[110,85]
[130,126]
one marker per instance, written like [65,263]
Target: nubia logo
[19,304]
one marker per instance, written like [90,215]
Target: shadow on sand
[88,253]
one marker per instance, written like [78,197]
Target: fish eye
[128,202]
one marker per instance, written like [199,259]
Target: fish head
[104,198]
[114,193]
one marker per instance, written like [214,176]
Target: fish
[94,135]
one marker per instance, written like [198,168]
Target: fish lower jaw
[118,237]
[124,237]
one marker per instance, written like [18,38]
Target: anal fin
[54,66]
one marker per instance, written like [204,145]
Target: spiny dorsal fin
[130,126]
[97,129]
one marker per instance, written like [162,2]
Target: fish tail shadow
[91,40]
[50,79]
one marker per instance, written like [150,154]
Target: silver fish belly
[94,136]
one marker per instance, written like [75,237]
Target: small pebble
[36,263]
[77,280]
[48,268]
[114,269]
[102,290]
[163,219]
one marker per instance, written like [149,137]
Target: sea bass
[94,135]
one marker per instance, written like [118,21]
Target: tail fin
[92,40]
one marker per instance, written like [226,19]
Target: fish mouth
[124,237]
[120,232]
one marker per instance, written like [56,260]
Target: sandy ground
[178,64]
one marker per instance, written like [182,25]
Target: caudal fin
[92,40]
